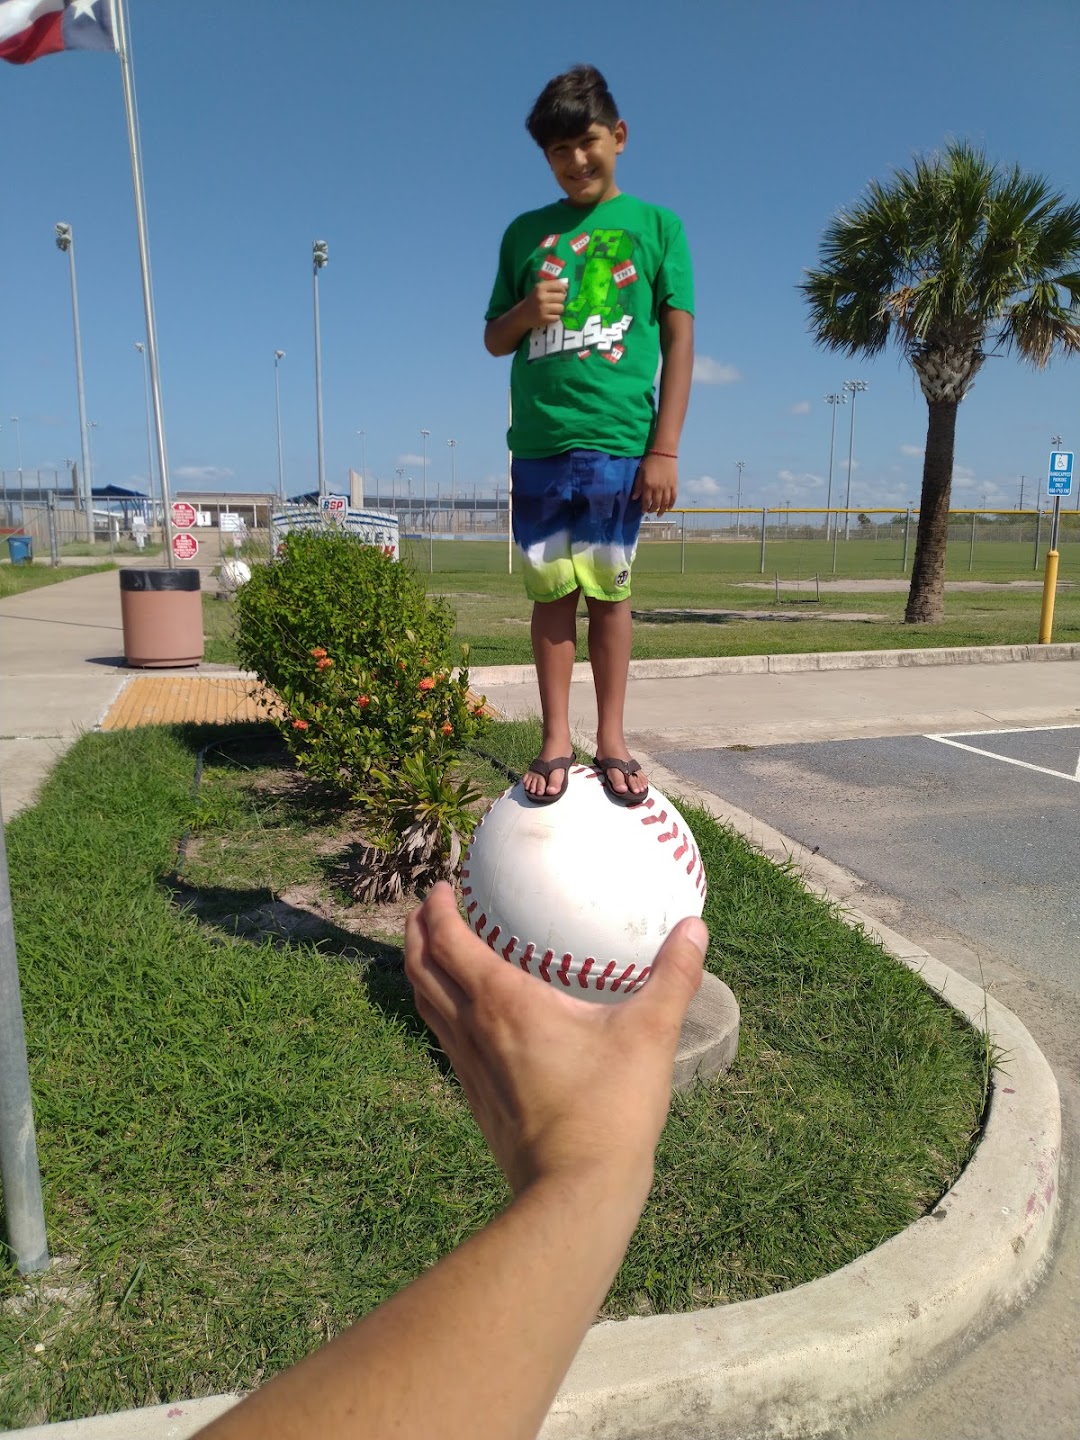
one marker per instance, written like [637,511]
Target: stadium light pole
[854,388]
[740,466]
[363,463]
[319,258]
[18,452]
[279,355]
[453,475]
[424,436]
[65,241]
[832,401]
[141,348]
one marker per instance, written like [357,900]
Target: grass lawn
[493,618]
[14,579]
[247,1140]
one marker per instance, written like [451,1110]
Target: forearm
[478,1345]
[504,335]
[675,377]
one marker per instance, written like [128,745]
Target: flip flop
[543,768]
[627,768]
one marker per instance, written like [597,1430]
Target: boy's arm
[543,305]
[657,483]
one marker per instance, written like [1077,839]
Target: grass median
[15,579]
[247,1138]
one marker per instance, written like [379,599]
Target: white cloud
[797,483]
[801,407]
[703,485]
[962,475]
[410,460]
[204,474]
[915,451]
[708,371]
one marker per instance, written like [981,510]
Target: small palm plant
[951,258]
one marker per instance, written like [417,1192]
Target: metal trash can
[161,611]
[21,549]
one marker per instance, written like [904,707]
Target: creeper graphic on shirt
[597,292]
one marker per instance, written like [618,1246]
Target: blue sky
[396,134]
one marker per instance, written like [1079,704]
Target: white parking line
[951,739]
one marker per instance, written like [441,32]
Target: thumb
[676,972]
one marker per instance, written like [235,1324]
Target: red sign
[183,515]
[185,547]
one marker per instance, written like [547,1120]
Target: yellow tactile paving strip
[186,700]
[195,700]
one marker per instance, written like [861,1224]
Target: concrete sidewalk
[930,1309]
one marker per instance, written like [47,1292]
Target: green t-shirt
[586,382]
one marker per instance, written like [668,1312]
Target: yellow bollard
[1046,620]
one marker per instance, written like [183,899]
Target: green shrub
[360,656]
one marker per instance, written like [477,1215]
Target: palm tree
[952,258]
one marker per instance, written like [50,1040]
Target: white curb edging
[786,664]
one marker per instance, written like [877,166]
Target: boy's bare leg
[554,642]
[610,634]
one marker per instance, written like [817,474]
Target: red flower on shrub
[448,729]
[363,701]
[299,725]
[324,663]
[427,683]
[478,710]
[319,653]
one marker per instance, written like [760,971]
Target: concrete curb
[805,1362]
[786,664]
[709,1040]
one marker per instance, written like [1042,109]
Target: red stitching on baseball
[681,851]
[693,860]
[654,819]
[528,953]
[510,947]
[545,963]
[672,834]
[471,907]
[648,804]
[625,975]
[610,967]
[465,873]
[583,973]
[494,935]
[466,890]
[479,926]
[563,971]
[637,984]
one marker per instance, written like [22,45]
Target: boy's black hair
[569,104]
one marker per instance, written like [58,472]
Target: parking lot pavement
[968,843]
[978,831]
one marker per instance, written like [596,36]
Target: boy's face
[585,165]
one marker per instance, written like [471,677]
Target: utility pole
[832,401]
[319,257]
[854,389]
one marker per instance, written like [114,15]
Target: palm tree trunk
[926,598]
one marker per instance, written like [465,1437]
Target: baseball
[581,893]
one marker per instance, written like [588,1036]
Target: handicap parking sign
[1059,480]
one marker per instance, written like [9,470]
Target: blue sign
[1059,480]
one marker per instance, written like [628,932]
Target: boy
[590,292]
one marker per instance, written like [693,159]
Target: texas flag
[32,28]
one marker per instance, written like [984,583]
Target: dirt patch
[725,617]
[893,587]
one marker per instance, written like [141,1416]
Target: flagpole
[120,32]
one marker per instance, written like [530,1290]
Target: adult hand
[656,484]
[548,1076]
[545,303]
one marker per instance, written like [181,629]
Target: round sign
[183,515]
[185,547]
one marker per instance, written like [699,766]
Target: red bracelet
[667,454]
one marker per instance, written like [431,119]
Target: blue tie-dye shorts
[575,524]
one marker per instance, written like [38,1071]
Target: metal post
[319,256]
[24,1213]
[907,532]
[832,401]
[739,466]
[854,388]
[777,583]
[65,240]
[149,426]
[682,556]
[54,545]
[1038,531]
[279,355]
[971,547]
[509,486]
[144,266]
[764,522]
